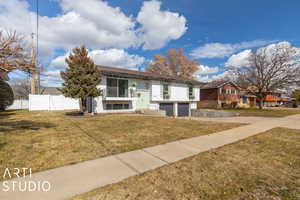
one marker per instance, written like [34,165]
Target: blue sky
[210,31]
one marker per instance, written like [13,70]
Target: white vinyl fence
[19,104]
[52,102]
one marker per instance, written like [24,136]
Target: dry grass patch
[267,112]
[263,167]
[44,140]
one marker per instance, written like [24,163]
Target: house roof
[50,91]
[126,73]
[217,84]
[244,93]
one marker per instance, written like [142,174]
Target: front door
[143,100]
[143,95]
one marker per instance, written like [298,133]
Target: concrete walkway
[75,179]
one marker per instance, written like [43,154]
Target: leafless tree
[21,88]
[13,52]
[270,68]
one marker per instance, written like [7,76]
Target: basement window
[117,106]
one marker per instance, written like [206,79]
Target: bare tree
[13,53]
[21,88]
[174,64]
[273,67]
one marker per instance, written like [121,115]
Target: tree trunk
[261,103]
[83,105]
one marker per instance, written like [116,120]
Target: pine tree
[81,77]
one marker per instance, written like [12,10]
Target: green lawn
[43,140]
[263,167]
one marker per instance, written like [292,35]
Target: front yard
[266,112]
[263,167]
[43,140]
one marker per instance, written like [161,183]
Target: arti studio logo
[24,181]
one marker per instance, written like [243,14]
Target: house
[50,91]
[247,100]
[271,99]
[128,90]
[219,94]
[3,74]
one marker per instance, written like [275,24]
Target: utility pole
[33,71]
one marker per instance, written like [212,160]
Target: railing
[131,94]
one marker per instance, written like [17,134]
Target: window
[123,88]
[232,91]
[117,87]
[245,100]
[191,92]
[142,86]
[117,106]
[166,94]
[223,91]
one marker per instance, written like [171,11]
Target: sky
[127,33]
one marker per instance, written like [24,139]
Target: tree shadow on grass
[74,113]
[23,125]
[6,114]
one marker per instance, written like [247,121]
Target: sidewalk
[75,179]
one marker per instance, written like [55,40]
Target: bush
[6,95]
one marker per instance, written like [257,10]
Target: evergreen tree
[6,95]
[81,77]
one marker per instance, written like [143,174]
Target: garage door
[183,109]
[168,107]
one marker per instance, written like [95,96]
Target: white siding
[193,105]
[155,91]
[179,92]
[197,94]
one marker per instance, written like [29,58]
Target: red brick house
[219,94]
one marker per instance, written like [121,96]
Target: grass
[267,112]
[263,167]
[44,140]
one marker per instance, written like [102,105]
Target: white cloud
[116,58]
[239,60]
[203,69]
[221,76]
[110,57]
[221,50]
[242,59]
[95,24]
[51,78]
[159,27]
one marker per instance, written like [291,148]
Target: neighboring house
[50,91]
[271,99]
[247,100]
[219,94]
[3,74]
[128,90]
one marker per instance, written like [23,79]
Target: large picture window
[117,87]
[117,106]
